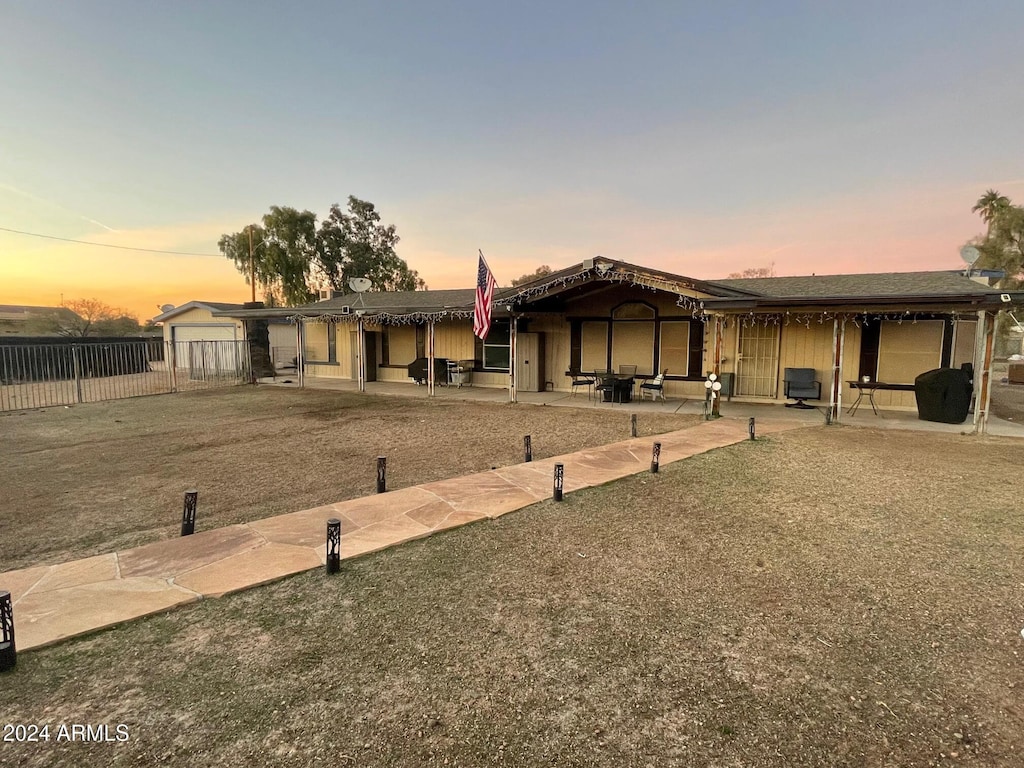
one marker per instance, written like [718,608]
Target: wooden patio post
[983,348]
[836,396]
[716,363]
[300,355]
[430,358]
[360,352]
[512,361]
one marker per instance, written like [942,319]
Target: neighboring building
[195,321]
[23,320]
[602,314]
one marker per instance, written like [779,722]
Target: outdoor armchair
[801,385]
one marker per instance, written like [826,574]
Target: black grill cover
[418,370]
[943,395]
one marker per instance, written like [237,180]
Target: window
[594,346]
[497,346]
[675,347]
[908,349]
[398,344]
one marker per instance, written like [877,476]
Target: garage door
[208,350]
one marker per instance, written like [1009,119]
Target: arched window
[633,310]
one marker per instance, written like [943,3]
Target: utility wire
[102,245]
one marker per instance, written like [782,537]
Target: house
[25,320]
[603,313]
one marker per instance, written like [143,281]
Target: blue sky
[696,138]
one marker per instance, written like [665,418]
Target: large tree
[356,244]
[1003,247]
[79,318]
[281,255]
[290,257]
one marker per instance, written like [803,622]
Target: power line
[102,245]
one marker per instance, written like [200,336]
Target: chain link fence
[40,375]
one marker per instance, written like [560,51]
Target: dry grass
[107,476]
[828,597]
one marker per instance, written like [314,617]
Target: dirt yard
[101,477]
[827,597]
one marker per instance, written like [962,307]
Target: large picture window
[675,347]
[497,346]
[908,349]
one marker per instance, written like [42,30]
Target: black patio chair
[800,386]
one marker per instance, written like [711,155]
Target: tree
[79,318]
[990,206]
[289,256]
[1003,246]
[768,271]
[542,271]
[282,253]
[356,244]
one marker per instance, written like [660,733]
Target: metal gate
[757,360]
[42,375]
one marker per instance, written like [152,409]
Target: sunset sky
[696,138]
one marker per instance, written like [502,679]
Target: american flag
[485,286]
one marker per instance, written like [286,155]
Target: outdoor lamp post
[8,652]
[714,388]
[333,545]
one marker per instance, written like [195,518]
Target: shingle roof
[855,286]
[413,300]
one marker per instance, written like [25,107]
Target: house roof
[212,306]
[23,311]
[859,286]
[943,288]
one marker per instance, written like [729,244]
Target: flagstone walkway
[55,602]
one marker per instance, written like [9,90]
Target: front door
[757,361]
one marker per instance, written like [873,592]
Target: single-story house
[603,313]
[22,319]
[196,322]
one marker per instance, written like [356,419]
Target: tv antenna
[165,308]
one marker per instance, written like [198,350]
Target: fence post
[559,481]
[188,514]
[76,357]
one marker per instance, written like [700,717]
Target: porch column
[512,361]
[360,353]
[430,358]
[716,361]
[983,345]
[836,396]
[300,354]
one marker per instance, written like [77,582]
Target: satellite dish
[165,308]
[969,254]
[359,284]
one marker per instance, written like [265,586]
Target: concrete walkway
[52,603]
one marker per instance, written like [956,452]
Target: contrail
[52,204]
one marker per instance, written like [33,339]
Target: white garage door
[208,350]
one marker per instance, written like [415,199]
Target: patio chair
[655,387]
[627,370]
[801,385]
[581,380]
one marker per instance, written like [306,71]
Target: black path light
[382,472]
[632,425]
[527,449]
[750,429]
[333,545]
[8,651]
[655,458]
[188,513]
[559,481]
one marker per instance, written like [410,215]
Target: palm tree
[990,206]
